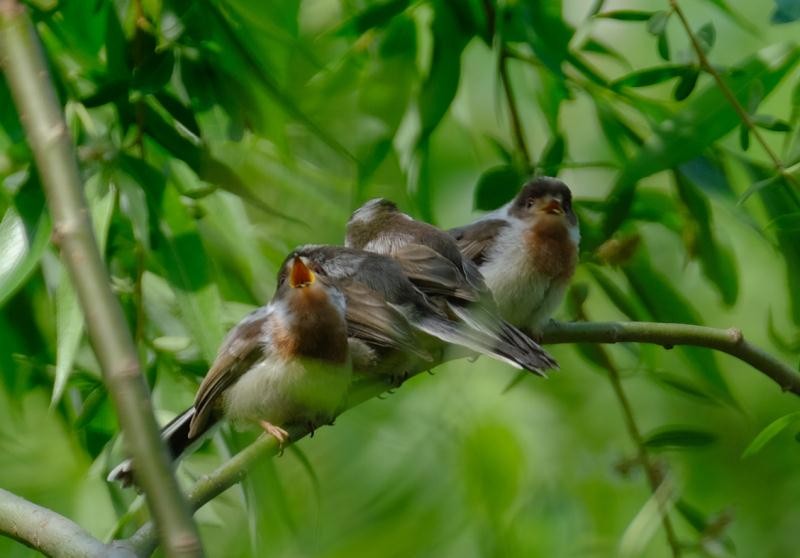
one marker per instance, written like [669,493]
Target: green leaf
[665,304]
[493,463]
[716,260]
[21,247]
[679,438]
[553,155]
[744,137]
[683,385]
[651,76]
[786,11]
[662,45]
[657,23]
[686,84]
[615,294]
[769,432]
[69,318]
[771,123]
[706,36]
[704,119]
[188,270]
[496,186]
[627,15]
[377,14]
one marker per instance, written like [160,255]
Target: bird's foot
[277,432]
[397,380]
[312,427]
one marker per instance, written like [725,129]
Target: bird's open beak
[553,207]
[300,275]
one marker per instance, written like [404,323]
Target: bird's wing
[242,348]
[434,274]
[474,240]
[371,319]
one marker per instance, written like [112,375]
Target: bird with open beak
[286,363]
[385,309]
[431,259]
[527,251]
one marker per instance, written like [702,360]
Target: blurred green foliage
[216,135]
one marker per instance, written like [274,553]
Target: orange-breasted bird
[378,292]
[432,260]
[527,251]
[286,363]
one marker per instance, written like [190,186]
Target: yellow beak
[300,275]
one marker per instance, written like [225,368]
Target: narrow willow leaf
[771,123]
[69,318]
[786,11]
[627,15]
[679,438]
[744,137]
[769,432]
[663,46]
[703,119]
[651,76]
[553,155]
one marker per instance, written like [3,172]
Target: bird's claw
[277,432]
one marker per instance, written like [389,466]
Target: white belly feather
[282,392]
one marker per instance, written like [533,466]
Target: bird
[286,363]
[526,251]
[432,260]
[381,300]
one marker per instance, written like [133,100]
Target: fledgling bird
[527,251]
[286,363]
[380,297]
[432,260]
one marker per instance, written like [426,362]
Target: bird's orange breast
[552,250]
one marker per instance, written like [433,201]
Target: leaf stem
[744,116]
[26,71]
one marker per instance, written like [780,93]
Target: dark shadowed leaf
[744,137]
[662,45]
[553,156]
[679,438]
[651,76]
[771,123]
[377,14]
[683,385]
[786,11]
[627,15]
[687,83]
[496,186]
[624,303]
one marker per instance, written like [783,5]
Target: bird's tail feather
[496,327]
[533,359]
[176,437]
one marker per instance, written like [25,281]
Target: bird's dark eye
[530,202]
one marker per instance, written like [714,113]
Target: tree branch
[747,121]
[40,113]
[50,533]
[730,341]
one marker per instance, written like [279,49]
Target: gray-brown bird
[286,363]
[526,251]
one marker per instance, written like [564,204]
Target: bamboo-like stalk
[32,89]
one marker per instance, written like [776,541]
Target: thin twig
[730,341]
[744,116]
[50,533]
[48,136]
[516,121]
[654,477]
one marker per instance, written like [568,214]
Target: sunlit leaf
[21,247]
[706,36]
[771,123]
[69,319]
[657,24]
[769,432]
